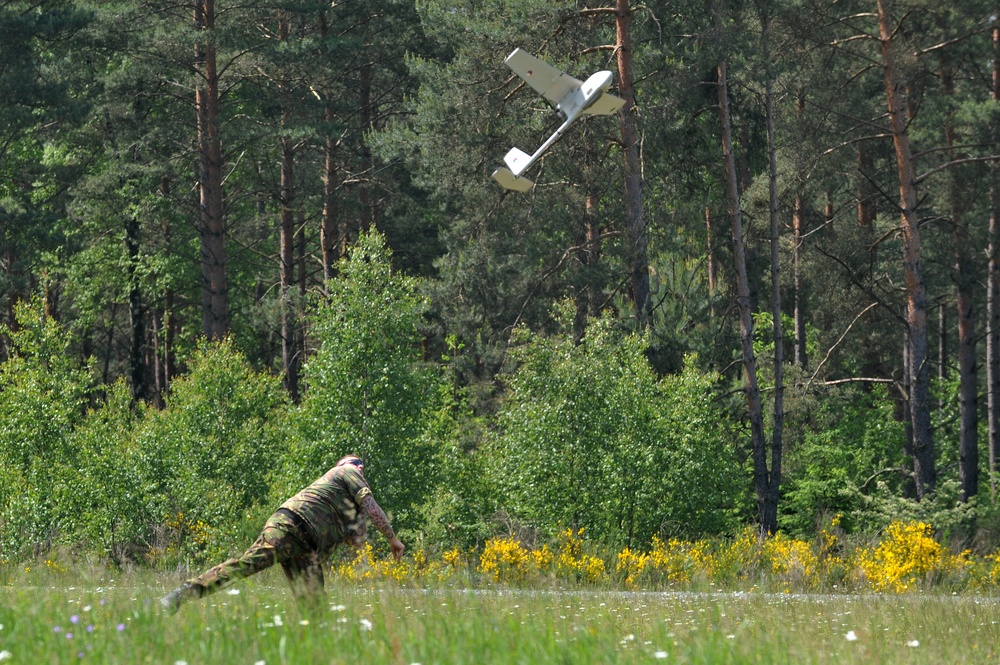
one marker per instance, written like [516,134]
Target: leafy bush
[368,391]
[588,435]
[42,396]
[853,447]
[210,455]
[106,506]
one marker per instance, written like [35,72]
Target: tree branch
[954,162]
[837,343]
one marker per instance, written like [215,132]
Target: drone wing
[606,104]
[546,80]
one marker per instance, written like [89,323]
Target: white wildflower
[259,662]
[6,655]
[851,636]
[304,622]
[338,608]
[180,662]
[233,592]
[913,643]
[660,654]
[277,620]
[366,624]
[730,637]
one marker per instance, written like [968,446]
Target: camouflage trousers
[284,540]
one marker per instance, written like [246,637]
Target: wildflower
[338,608]
[90,628]
[366,624]
[56,629]
[6,655]
[660,654]
[277,620]
[304,622]
[259,662]
[913,643]
[86,608]
[75,618]
[120,627]
[851,636]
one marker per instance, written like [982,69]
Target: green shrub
[368,391]
[42,396]
[105,505]
[210,455]
[590,436]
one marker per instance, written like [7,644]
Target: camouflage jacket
[331,506]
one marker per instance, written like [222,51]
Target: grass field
[102,618]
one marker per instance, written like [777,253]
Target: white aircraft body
[571,97]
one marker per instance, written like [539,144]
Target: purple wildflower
[75,618]
[120,627]
[90,628]
[57,629]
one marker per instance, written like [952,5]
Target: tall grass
[95,616]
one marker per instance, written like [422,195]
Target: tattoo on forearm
[377,516]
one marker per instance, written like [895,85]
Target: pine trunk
[286,269]
[137,315]
[993,291]
[636,223]
[588,253]
[212,226]
[916,309]
[762,481]
[968,440]
[330,235]
[778,334]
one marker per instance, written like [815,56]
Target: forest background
[243,239]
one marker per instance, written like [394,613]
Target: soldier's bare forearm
[377,516]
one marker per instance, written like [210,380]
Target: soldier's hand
[397,548]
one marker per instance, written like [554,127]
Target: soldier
[301,534]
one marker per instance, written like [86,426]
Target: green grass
[263,623]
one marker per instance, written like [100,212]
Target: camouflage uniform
[300,535]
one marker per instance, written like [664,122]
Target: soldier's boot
[172,601]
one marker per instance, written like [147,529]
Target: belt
[305,529]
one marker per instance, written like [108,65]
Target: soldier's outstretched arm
[381,522]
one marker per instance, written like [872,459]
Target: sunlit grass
[100,617]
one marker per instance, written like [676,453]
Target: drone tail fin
[506,179]
[517,160]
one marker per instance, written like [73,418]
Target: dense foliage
[238,241]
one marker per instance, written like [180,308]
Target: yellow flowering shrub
[572,562]
[740,557]
[364,567]
[504,560]
[452,557]
[906,556]
[675,562]
[631,565]
[791,561]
